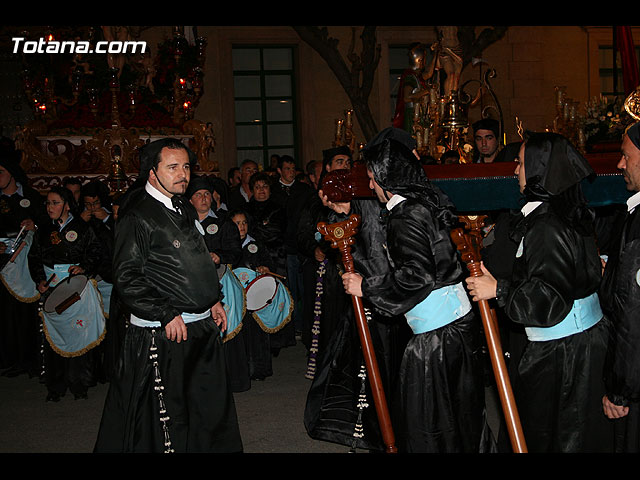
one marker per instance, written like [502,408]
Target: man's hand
[219,316]
[176,330]
[262,270]
[319,254]
[483,287]
[42,286]
[613,411]
[100,213]
[28,224]
[85,215]
[338,207]
[215,258]
[76,270]
[352,283]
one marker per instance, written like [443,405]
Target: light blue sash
[442,307]
[16,276]
[79,328]
[186,318]
[584,314]
[234,303]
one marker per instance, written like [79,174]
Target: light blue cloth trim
[584,314]
[16,275]
[186,317]
[442,307]
[60,269]
[79,327]
[105,289]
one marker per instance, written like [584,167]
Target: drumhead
[260,292]
[63,290]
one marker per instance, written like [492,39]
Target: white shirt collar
[287,184]
[633,201]
[530,207]
[158,195]
[247,239]
[19,191]
[395,200]
[66,222]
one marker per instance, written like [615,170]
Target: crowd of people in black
[543,269]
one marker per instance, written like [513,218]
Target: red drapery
[630,74]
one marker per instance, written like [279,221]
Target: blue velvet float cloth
[200,412]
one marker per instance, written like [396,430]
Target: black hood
[397,170]
[552,165]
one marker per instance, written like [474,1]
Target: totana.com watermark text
[21,45]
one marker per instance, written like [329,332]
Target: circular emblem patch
[71,236]
[253,248]
[638,277]
[176,243]
[25,203]
[212,229]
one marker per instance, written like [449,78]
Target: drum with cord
[233,301]
[268,299]
[65,293]
[73,319]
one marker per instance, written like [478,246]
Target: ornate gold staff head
[632,104]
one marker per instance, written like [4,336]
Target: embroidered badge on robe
[55,238]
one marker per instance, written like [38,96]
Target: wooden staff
[469,244]
[340,235]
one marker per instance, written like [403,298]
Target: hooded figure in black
[334,409]
[170,390]
[552,291]
[440,396]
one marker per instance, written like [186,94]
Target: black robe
[440,404]
[162,268]
[257,342]
[333,410]
[78,245]
[620,298]
[268,224]
[19,337]
[558,385]
[222,237]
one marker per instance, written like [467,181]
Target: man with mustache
[170,390]
[620,299]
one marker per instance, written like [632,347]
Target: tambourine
[67,292]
